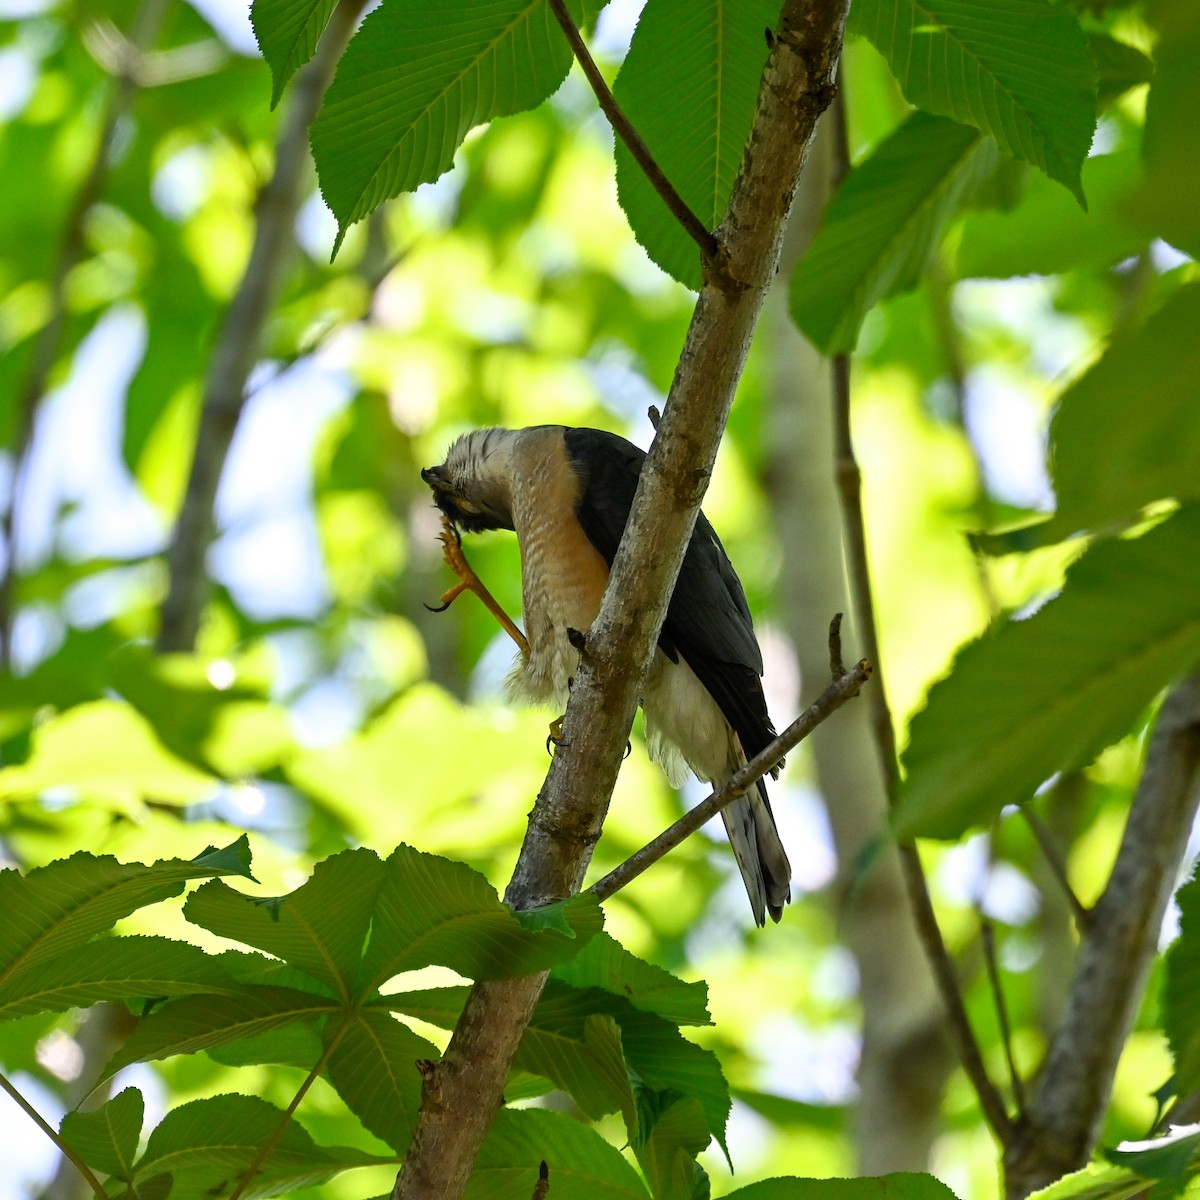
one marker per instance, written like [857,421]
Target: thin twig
[247,1177]
[844,688]
[55,1137]
[988,935]
[238,344]
[849,481]
[541,1189]
[836,666]
[1058,867]
[693,226]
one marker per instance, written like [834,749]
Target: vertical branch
[1118,948]
[48,343]
[465,1088]
[241,336]
[849,480]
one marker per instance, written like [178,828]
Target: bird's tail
[760,855]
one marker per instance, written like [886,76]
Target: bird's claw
[555,737]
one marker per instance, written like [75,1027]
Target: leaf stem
[988,935]
[273,1139]
[623,128]
[64,1147]
[849,480]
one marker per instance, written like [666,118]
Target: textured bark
[241,337]
[1059,1131]
[905,1056]
[465,1088]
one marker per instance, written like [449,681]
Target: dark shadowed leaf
[1181,1015]
[1046,694]
[107,1137]
[320,928]
[434,911]
[1020,71]
[198,1022]
[1128,433]
[374,1071]
[882,229]
[58,907]
[114,969]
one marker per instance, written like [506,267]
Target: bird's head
[473,487]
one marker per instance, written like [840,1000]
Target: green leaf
[207,1144]
[883,226]
[1181,1014]
[107,751]
[881,1187]
[415,79]
[199,1022]
[1119,67]
[582,1165]
[320,928]
[1171,143]
[604,963]
[678,1132]
[1128,432]
[1097,1181]
[432,910]
[556,1046]
[287,32]
[113,969]
[57,908]
[1046,694]
[374,1071]
[107,1137]
[1046,233]
[1019,71]
[1173,1158]
[689,85]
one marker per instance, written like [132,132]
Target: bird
[567,492]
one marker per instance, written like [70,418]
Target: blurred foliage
[328,713]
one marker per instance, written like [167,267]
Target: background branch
[240,340]
[48,343]
[467,1087]
[1118,948]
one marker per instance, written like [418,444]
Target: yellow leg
[452,552]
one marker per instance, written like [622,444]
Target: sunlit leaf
[107,1137]
[415,79]
[1020,71]
[689,85]
[57,908]
[1046,694]
[882,227]
[1128,432]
